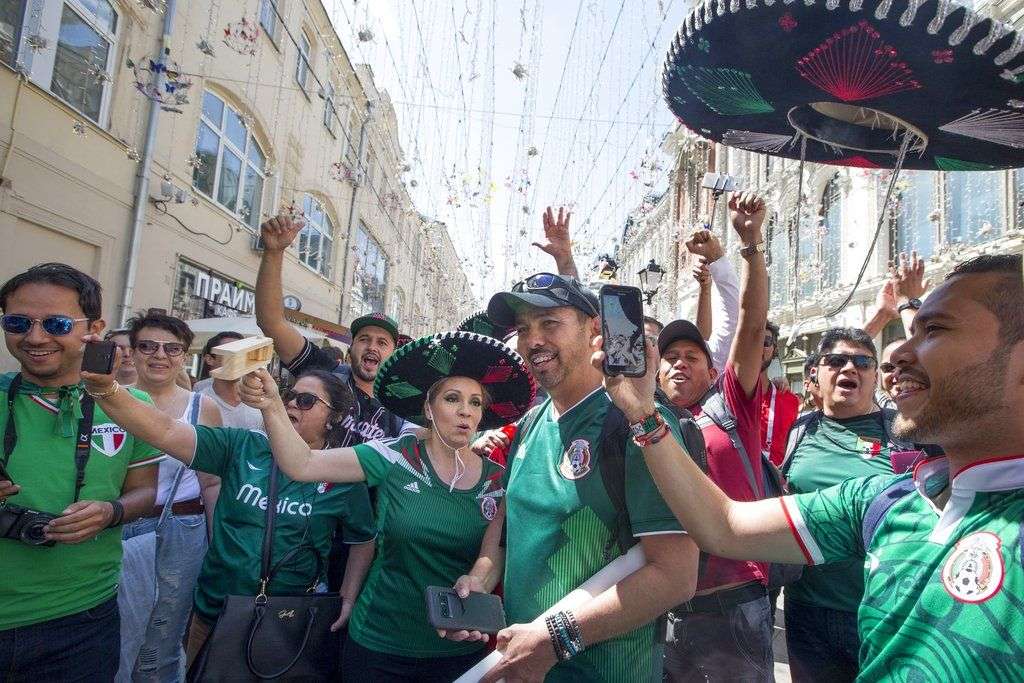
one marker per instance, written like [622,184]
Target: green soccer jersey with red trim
[44,583]
[943,588]
[561,522]
[428,536]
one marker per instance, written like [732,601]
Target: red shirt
[778,412]
[726,470]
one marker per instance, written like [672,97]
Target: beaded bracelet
[651,438]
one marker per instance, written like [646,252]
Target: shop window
[231,163]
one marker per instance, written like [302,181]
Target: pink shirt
[727,471]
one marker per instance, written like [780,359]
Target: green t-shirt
[832,451]
[560,522]
[943,590]
[43,583]
[429,536]
[308,513]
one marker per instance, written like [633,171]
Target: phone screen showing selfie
[622,323]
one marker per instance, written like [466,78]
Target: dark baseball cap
[541,290]
[678,330]
[375,320]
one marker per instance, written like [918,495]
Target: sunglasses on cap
[303,399]
[53,325]
[564,289]
[838,361]
[149,347]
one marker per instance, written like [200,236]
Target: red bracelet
[651,438]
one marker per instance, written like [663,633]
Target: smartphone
[719,182]
[99,357]
[622,326]
[481,612]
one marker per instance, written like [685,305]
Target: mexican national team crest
[488,507]
[108,438]
[576,460]
[974,571]
[323,487]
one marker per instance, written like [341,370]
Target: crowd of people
[140,508]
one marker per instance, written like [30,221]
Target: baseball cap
[376,320]
[541,290]
[682,330]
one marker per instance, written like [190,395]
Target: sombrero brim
[405,377]
[745,74]
[480,323]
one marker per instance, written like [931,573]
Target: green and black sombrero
[405,377]
[480,323]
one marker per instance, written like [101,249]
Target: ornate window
[316,241]
[370,274]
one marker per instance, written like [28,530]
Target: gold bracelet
[114,388]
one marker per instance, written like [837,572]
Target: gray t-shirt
[240,416]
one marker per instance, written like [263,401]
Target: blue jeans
[822,643]
[78,647]
[733,646]
[158,578]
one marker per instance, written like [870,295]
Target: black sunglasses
[838,361]
[303,399]
[887,368]
[769,340]
[564,289]
[53,325]
[149,347]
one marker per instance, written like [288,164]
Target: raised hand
[280,231]
[907,278]
[706,244]
[747,211]
[556,240]
[885,301]
[701,273]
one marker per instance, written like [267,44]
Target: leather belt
[193,506]
[723,601]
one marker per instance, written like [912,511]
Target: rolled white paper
[611,574]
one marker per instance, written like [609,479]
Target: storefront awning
[204,328]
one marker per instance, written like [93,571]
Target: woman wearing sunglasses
[849,437]
[308,513]
[435,497]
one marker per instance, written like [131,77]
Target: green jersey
[943,589]
[44,583]
[308,514]
[832,451]
[561,527]
[429,536]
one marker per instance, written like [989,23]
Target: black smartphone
[98,357]
[481,612]
[622,326]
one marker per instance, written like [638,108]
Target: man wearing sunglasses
[63,456]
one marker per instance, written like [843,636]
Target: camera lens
[34,532]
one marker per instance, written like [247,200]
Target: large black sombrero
[480,323]
[405,377]
[850,77]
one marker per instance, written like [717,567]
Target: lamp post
[650,279]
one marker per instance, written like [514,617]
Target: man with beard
[725,632]
[927,612]
[374,338]
[563,524]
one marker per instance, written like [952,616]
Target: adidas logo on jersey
[414,487]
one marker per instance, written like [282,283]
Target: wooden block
[242,356]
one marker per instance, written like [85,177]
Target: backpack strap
[526,423]
[880,506]
[796,435]
[715,410]
[613,474]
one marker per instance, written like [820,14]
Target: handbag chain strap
[268,536]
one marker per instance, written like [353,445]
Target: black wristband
[118,513]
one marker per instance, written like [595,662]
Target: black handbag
[272,637]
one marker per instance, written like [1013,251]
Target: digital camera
[22,524]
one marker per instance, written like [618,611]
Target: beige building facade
[268,115]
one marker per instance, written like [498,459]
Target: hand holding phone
[98,357]
[622,326]
[481,612]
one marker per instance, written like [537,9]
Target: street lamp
[650,279]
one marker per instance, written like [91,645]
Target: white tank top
[189,486]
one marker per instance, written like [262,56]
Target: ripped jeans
[158,578]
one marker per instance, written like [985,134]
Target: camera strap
[83,440]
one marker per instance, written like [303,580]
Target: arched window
[974,206]
[230,168]
[830,242]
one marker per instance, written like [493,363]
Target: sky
[507,107]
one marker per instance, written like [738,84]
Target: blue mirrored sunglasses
[54,325]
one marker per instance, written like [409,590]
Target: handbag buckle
[261,598]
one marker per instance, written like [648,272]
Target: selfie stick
[610,575]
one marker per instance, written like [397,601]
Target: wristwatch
[909,305]
[753,249]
